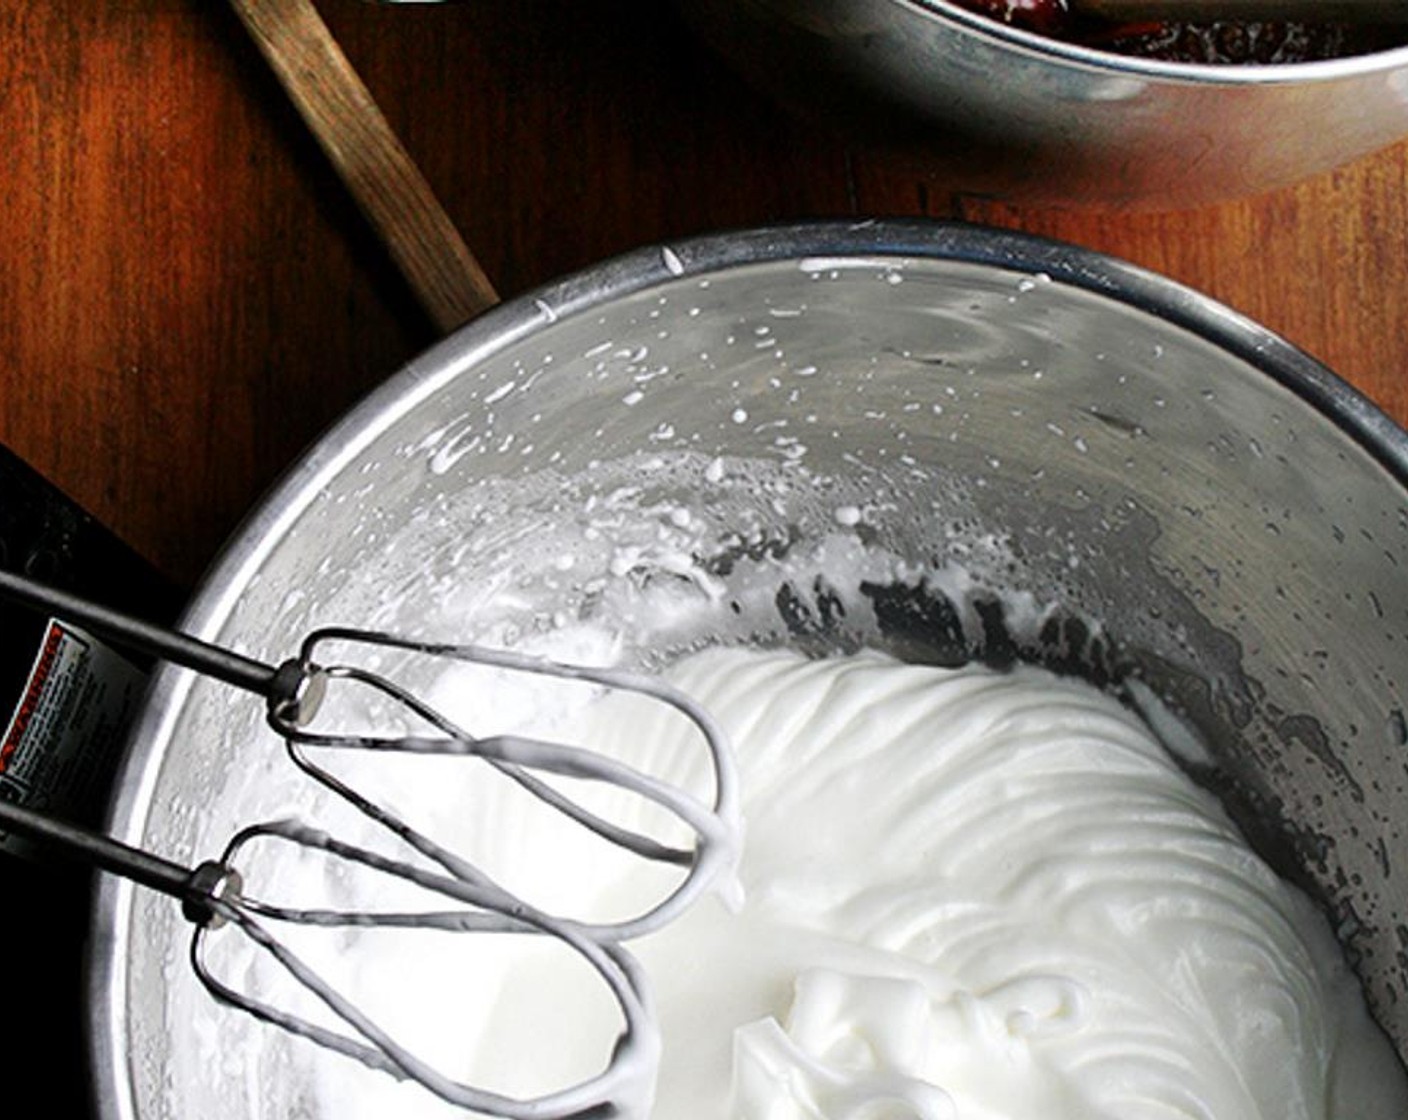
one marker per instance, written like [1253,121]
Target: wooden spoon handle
[387,185]
[1308,11]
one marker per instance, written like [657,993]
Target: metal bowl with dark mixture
[996,108]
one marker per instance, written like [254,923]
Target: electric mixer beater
[213,893]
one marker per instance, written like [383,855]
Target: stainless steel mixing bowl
[1133,481]
[996,110]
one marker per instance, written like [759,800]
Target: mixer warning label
[61,741]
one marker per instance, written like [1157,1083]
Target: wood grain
[370,161]
[188,295]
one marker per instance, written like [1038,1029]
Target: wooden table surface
[187,296]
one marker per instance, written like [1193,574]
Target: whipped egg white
[967,895]
[988,895]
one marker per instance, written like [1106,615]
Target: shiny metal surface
[996,110]
[1213,512]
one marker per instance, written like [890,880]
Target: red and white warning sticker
[60,744]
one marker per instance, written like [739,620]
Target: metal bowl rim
[887,241]
[1194,73]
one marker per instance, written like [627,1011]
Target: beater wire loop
[213,896]
[367,1041]
[522,758]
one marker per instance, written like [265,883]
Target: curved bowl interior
[977,444]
